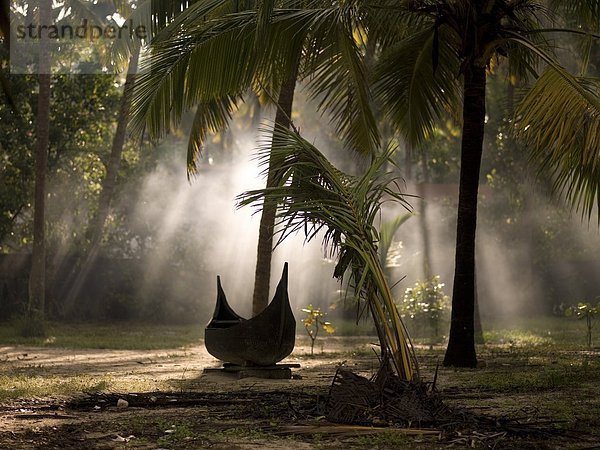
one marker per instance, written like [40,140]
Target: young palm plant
[314,196]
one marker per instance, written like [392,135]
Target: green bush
[426,305]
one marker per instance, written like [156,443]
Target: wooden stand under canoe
[261,341]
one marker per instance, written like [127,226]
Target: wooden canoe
[261,341]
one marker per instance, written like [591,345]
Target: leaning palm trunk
[264,252]
[114,162]
[312,196]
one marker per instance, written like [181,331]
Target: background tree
[120,51]
[37,278]
[417,83]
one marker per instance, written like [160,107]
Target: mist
[522,272]
[170,236]
[197,233]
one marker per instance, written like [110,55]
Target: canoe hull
[263,340]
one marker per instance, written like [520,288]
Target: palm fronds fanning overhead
[313,195]
[560,119]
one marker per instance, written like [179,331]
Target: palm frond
[200,57]
[522,62]
[390,21]
[172,18]
[313,196]
[183,71]
[265,14]
[280,47]
[584,13]
[387,231]
[415,94]
[338,79]
[560,120]
[211,116]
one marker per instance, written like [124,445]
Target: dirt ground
[197,410]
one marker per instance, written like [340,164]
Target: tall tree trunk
[95,231]
[37,276]
[477,328]
[461,345]
[264,252]
[114,162]
[423,218]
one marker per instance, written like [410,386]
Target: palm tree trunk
[256,111]
[37,276]
[423,218]
[477,328]
[262,276]
[461,345]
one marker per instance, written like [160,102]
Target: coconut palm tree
[438,65]
[122,54]
[214,52]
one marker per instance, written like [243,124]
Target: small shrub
[426,304]
[583,311]
[313,322]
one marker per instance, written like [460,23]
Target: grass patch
[38,385]
[516,338]
[119,336]
[551,331]
[386,439]
[178,435]
[174,431]
[547,332]
[545,378]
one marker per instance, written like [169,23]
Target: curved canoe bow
[263,340]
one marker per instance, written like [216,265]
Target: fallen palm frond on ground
[315,196]
[387,401]
[384,399]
